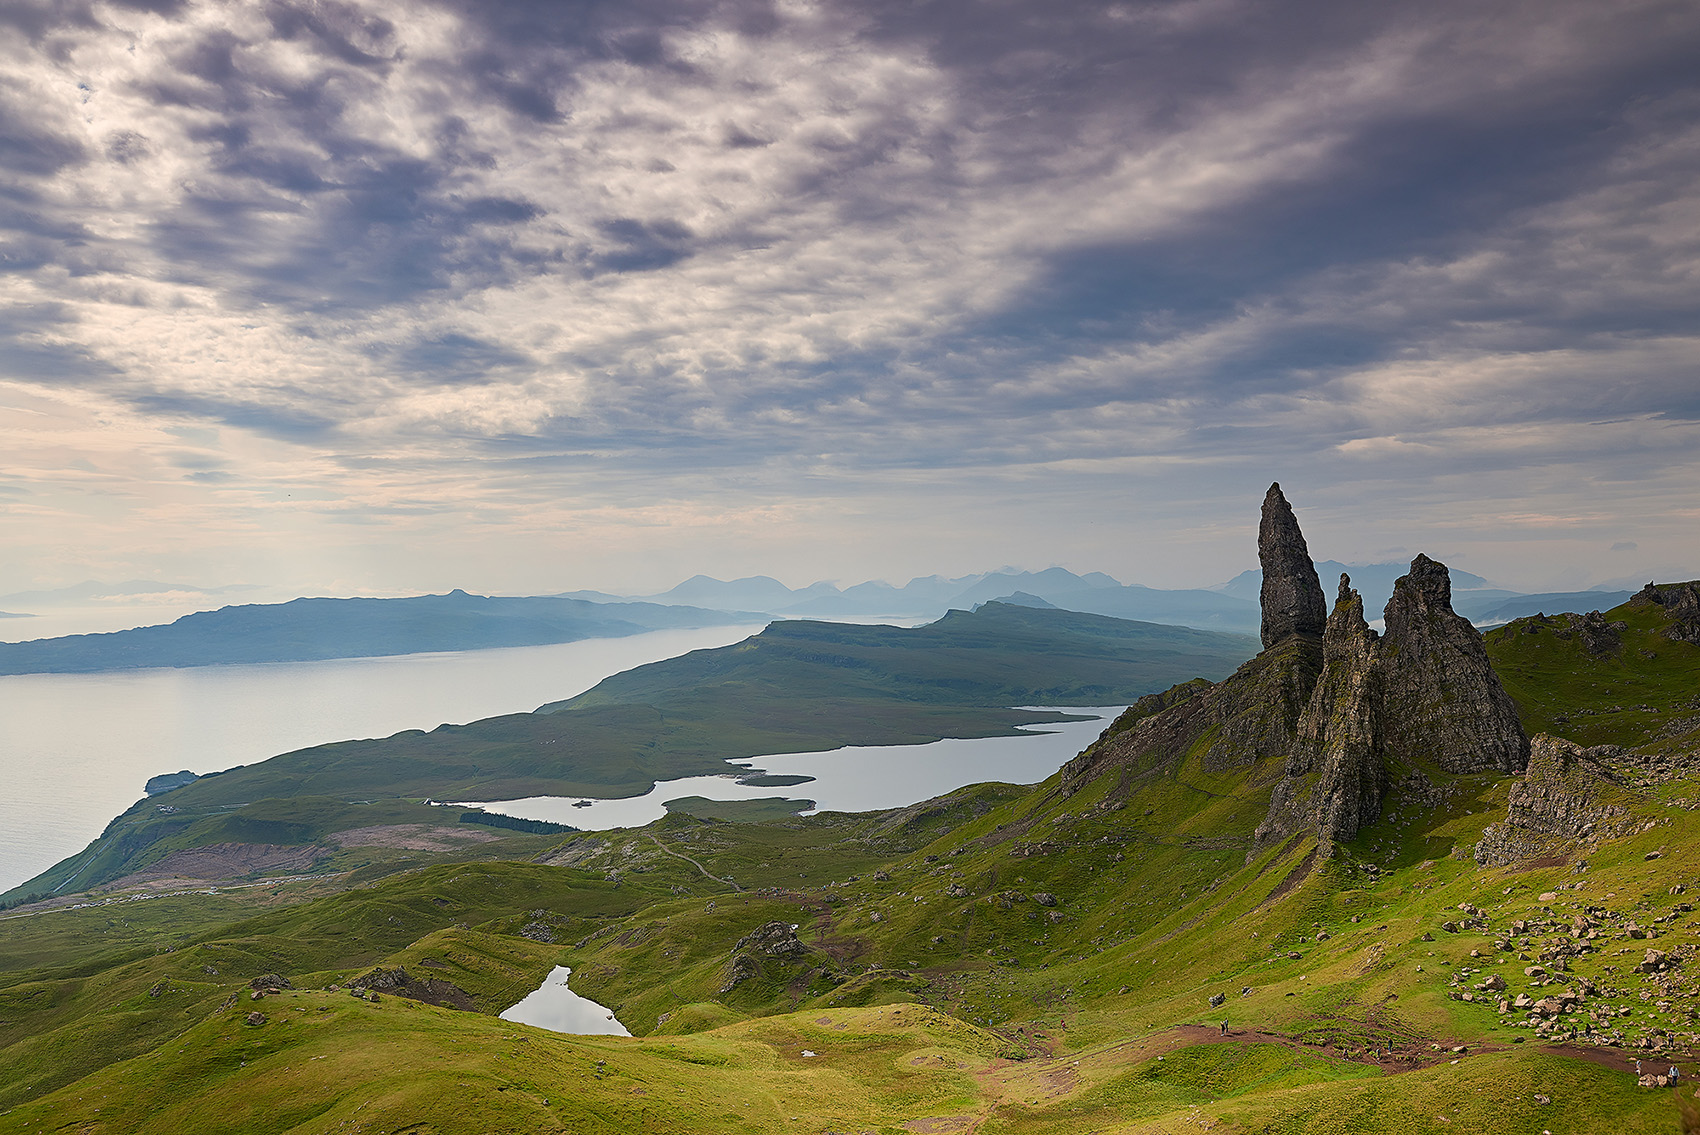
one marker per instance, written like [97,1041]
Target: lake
[553,1006]
[856,778]
[76,749]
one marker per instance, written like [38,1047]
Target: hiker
[1224,1028]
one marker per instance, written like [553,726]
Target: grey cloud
[285,422]
[341,31]
[455,358]
[1477,202]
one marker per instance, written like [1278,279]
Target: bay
[76,749]
[855,778]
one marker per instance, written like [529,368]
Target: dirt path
[706,872]
[1620,1060]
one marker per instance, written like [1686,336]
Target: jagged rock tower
[1328,707]
[1424,692]
[1442,699]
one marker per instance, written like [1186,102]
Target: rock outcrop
[431,991]
[1292,594]
[1565,798]
[769,940]
[1443,701]
[1681,602]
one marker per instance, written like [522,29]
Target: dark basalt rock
[1335,774]
[1292,595]
[1443,702]
[432,991]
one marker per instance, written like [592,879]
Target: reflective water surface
[555,1007]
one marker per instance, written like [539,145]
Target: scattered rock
[1045,898]
[255,1019]
[1216,999]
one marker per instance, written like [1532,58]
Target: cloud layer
[308,286]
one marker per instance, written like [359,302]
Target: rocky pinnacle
[1292,594]
[1443,702]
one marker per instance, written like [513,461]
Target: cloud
[803,247]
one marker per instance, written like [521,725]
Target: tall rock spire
[1292,594]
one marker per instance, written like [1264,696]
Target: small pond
[554,1007]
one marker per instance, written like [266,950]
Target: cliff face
[1329,705]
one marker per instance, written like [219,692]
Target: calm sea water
[76,749]
[856,778]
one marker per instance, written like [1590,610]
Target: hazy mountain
[931,596]
[1373,581]
[1499,608]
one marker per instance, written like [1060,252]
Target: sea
[77,749]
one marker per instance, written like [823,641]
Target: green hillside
[1002,960]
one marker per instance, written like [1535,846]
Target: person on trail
[1224,1028]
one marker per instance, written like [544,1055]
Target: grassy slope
[1082,1017]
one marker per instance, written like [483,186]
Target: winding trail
[706,872]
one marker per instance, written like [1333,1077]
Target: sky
[353,298]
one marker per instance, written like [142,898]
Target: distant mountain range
[1232,606]
[318,629]
[930,596]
